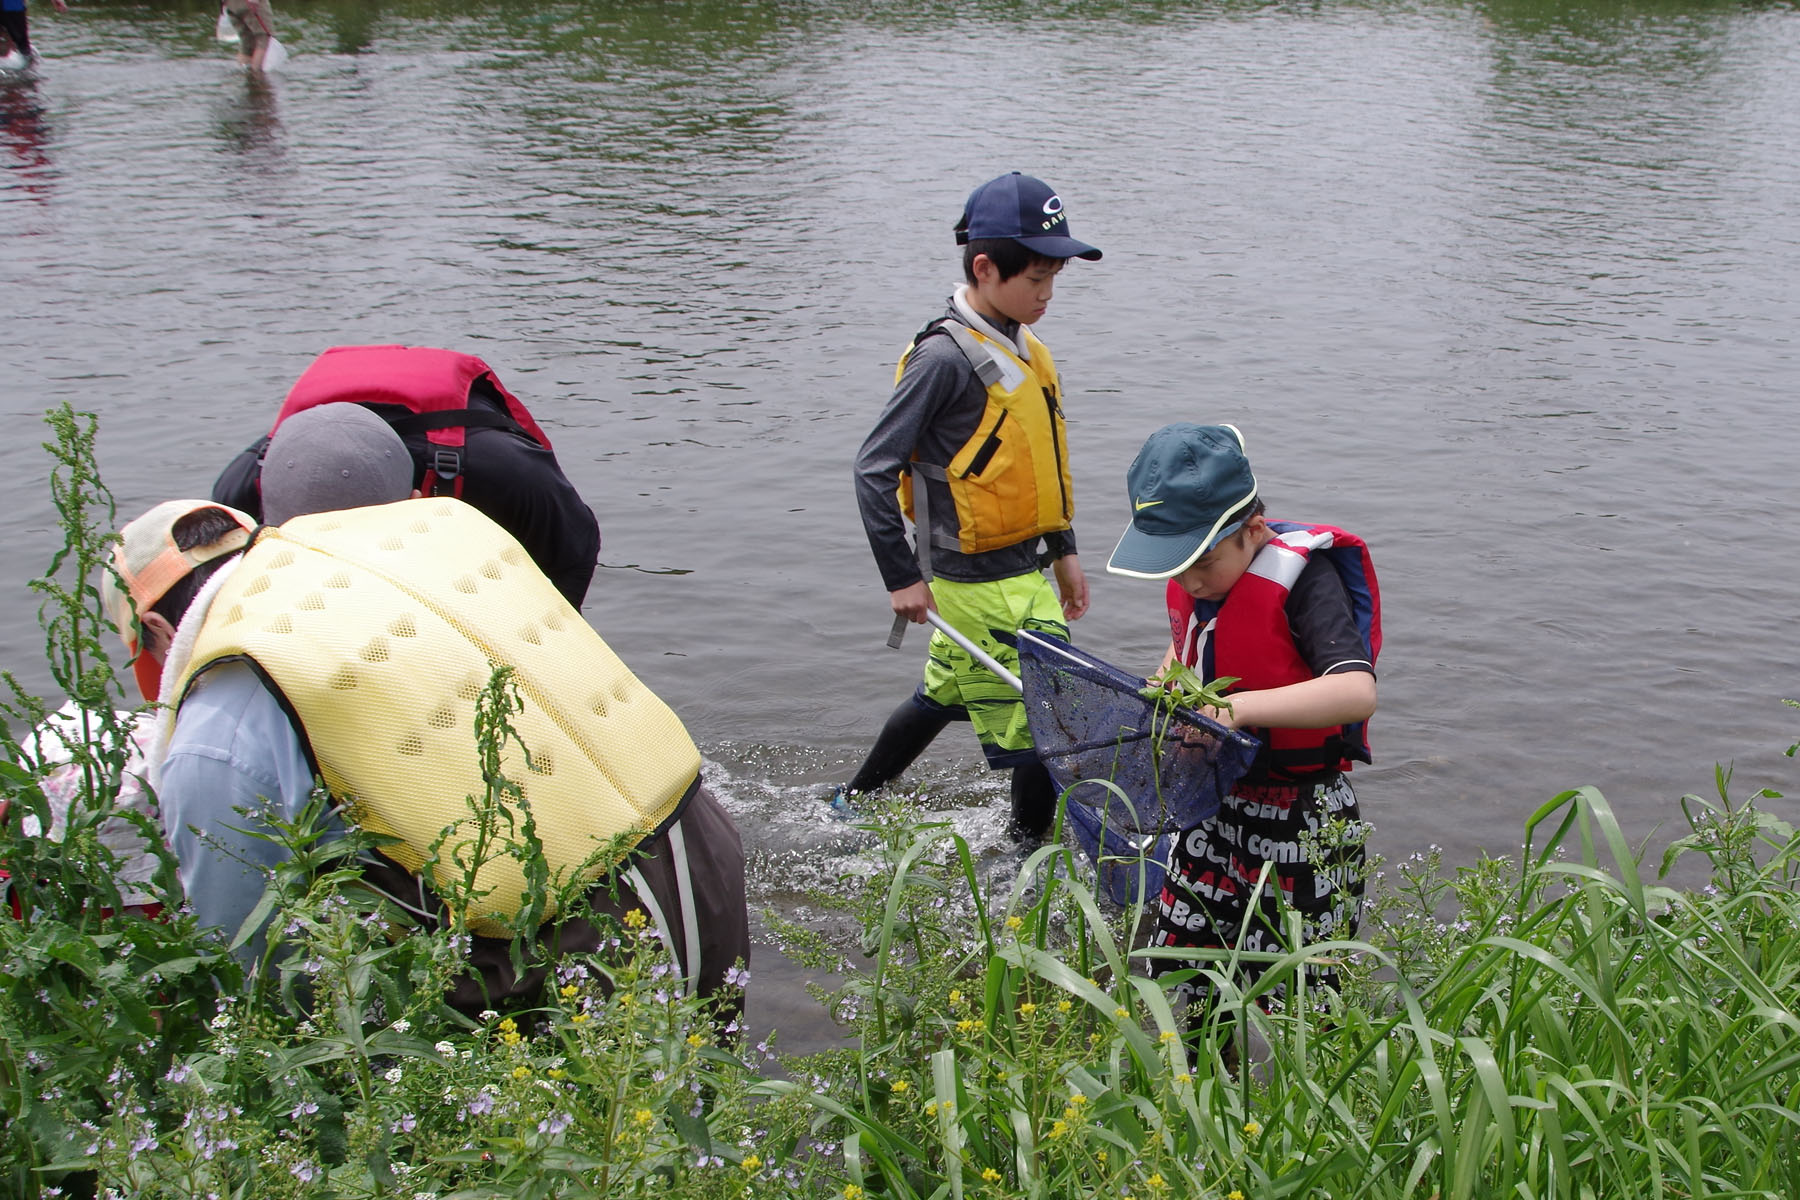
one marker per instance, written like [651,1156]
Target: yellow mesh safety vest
[1010,480]
[381,627]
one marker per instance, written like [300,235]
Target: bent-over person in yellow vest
[351,646]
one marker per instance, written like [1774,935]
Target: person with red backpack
[468,437]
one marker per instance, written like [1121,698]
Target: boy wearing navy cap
[1293,612]
[972,446]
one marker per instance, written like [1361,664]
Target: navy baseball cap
[1190,487]
[1025,209]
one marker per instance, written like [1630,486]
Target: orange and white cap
[150,562]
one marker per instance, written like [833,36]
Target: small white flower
[392,1074]
[402,1025]
[445,1049]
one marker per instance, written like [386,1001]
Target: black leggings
[14,24]
[912,727]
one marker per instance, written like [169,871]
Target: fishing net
[1091,721]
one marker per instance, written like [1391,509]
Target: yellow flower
[579,1019]
[570,991]
[852,1192]
[1121,1012]
[1252,1127]
[1015,922]
[1058,1129]
[931,1109]
[508,1025]
[521,1072]
[1027,1008]
[1167,1036]
[511,1039]
[1063,1006]
[635,919]
[967,1026]
[696,1040]
[901,1085]
[956,995]
[1157,1181]
[1184,1077]
[1234,1194]
[990,1175]
[751,1162]
[1078,1099]
[643,1116]
[557,1073]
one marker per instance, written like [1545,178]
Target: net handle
[981,656]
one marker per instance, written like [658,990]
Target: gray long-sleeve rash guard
[934,410]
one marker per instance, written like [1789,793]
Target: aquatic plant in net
[1090,721]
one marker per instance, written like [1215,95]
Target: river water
[1509,288]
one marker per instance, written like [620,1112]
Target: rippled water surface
[1509,288]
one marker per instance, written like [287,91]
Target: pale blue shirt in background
[233,748]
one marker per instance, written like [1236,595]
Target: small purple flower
[555,1123]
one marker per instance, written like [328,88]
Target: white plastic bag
[276,56]
[225,31]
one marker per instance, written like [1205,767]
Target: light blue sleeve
[234,755]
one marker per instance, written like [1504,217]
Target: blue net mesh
[1091,722]
[1128,867]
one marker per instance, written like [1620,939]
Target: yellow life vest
[1010,480]
[381,626]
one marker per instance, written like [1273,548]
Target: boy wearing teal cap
[972,446]
[1293,613]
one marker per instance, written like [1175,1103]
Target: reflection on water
[24,139]
[248,120]
[1506,287]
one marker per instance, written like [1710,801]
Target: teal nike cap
[1190,486]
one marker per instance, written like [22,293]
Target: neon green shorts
[989,614]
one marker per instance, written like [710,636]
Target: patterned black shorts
[1206,898]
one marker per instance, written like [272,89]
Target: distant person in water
[18,33]
[255,25]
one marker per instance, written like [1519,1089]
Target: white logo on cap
[1052,206]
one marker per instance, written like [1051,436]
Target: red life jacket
[433,384]
[1248,637]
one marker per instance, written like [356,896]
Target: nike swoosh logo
[1143,504]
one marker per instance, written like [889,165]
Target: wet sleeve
[522,487]
[239,484]
[1324,628]
[931,380]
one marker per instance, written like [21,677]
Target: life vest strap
[455,418]
[980,359]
